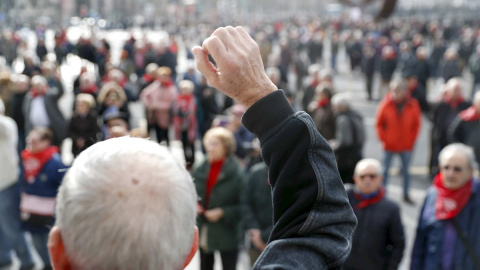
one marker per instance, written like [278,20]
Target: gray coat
[58,124]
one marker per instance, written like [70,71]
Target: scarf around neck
[365,201]
[34,162]
[450,202]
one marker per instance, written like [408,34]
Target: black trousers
[229,260]
[162,134]
[188,149]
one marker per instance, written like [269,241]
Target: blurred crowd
[232,181]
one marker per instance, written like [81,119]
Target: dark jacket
[227,233]
[313,221]
[450,69]
[86,128]
[387,68]
[257,204]
[443,117]
[324,120]
[57,122]
[379,240]
[466,132]
[427,251]
[349,139]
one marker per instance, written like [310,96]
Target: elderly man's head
[454,88]
[457,164]
[398,91]
[340,103]
[368,176]
[125,204]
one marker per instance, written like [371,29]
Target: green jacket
[227,233]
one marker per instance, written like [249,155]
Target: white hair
[459,148]
[367,162]
[38,79]
[340,99]
[126,203]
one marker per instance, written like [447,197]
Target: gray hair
[127,204]
[340,99]
[462,149]
[38,79]
[369,161]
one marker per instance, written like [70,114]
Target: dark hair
[45,133]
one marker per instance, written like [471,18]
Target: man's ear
[56,248]
[194,248]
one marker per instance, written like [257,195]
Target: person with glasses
[448,231]
[379,240]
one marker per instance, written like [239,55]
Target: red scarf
[366,202]
[323,102]
[34,162]
[167,83]
[35,93]
[147,77]
[92,89]
[470,114]
[450,202]
[215,168]
[453,103]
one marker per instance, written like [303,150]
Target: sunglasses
[363,176]
[454,168]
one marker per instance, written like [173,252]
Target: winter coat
[450,69]
[398,130]
[158,101]
[466,131]
[387,68]
[58,124]
[324,120]
[379,240]
[443,116]
[227,233]
[427,253]
[257,201]
[349,139]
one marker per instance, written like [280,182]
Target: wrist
[259,93]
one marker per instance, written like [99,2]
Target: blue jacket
[46,184]
[313,220]
[427,251]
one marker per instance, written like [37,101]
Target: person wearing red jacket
[398,123]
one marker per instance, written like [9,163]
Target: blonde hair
[87,98]
[186,84]
[164,71]
[111,86]
[225,136]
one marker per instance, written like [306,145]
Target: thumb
[204,65]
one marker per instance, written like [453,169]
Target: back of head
[127,204]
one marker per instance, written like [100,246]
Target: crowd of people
[233,184]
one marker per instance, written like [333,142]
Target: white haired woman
[219,181]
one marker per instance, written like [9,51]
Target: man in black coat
[379,241]
[444,113]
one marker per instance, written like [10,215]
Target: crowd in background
[232,182]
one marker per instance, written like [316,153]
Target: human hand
[213,215]
[200,209]
[256,238]
[240,73]
[80,142]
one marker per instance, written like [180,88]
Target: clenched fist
[240,73]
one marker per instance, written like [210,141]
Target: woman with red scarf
[158,99]
[41,176]
[219,181]
[185,120]
[448,232]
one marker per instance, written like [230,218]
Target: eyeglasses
[454,168]
[372,176]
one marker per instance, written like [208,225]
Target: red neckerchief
[450,202]
[366,202]
[147,77]
[92,89]
[323,102]
[453,103]
[215,168]
[35,94]
[34,162]
[315,83]
[470,114]
[184,102]
[167,83]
